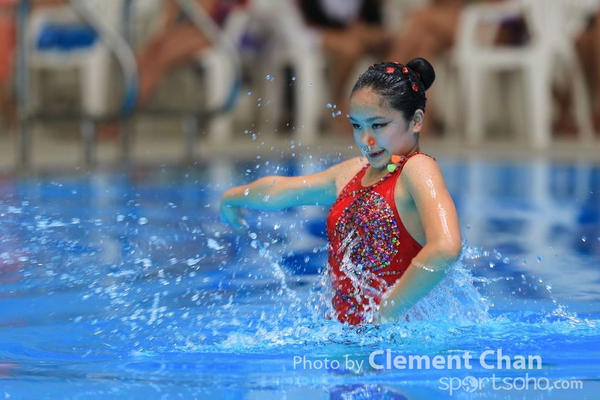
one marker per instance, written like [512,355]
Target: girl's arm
[279,192]
[424,182]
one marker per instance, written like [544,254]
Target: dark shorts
[313,13]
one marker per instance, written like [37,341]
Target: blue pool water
[123,284]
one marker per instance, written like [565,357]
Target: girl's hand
[232,215]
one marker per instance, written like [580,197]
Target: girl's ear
[417,121]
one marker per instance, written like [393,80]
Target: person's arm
[424,182]
[279,192]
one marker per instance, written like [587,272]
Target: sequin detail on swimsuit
[371,217]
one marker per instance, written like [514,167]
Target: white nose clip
[365,150]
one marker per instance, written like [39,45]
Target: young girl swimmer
[392,227]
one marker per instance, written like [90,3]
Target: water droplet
[246,192]
[192,261]
[539,258]
[584,239]
[266,198]
[249,93]
[213,244]
[143,221]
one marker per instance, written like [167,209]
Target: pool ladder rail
[118,43]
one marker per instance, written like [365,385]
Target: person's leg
[594,68]
[436,24]
[174,47]
[170,48]
[344,52]
[428,32]
[7,45]
[564,124]
[347,48]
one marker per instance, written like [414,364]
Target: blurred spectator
[348,30]
[7,54]
[430,30]
[588,48]
[7,47]
[175,43]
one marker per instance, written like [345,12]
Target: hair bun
[424,71]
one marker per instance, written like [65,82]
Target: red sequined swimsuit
[369,246]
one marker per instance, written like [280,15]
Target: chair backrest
[577,13]
[546,23]
[545,19]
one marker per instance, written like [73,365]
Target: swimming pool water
[123,284]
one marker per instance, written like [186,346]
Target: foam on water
[257,306]
[273,312]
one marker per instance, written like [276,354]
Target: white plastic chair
[550,45]
[223,70]
[292,44]
[298,46]
[220,64]
[93,62]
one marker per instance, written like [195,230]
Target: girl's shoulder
[420,160]
[421,167]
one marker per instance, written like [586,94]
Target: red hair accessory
[404,70]
[415,87]
[389,70]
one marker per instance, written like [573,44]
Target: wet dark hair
[402,86]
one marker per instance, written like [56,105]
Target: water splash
[230,294]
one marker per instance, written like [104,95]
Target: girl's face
[379,131]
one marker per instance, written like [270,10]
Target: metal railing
[119,44]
